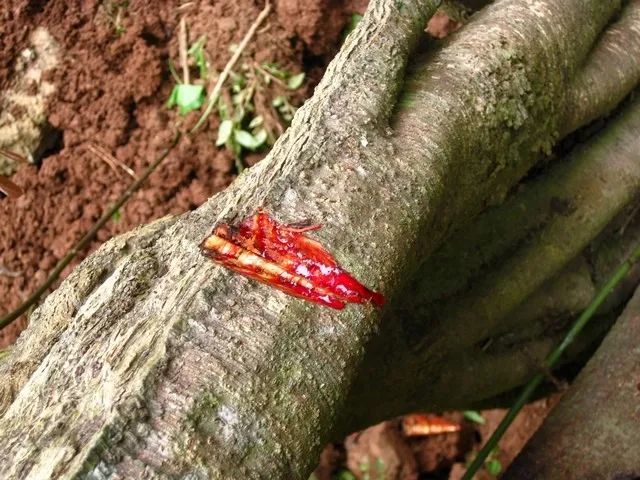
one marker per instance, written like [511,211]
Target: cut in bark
[151,362]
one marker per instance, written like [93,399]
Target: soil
[107,107]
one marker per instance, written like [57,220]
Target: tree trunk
[151,362]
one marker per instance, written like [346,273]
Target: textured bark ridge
[151,362]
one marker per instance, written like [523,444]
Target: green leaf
[186,97]
[237,82]
[256,122]
[493,467]
[353,23]
[237,98]
[474,416]
[261,136]
[238,115]
[295,82]
[171,102]
[247,140]
[278,101]
[224,132]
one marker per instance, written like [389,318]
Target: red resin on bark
[283,257]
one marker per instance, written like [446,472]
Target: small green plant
[197,53]
[249,121]
[284,108]
[493,466]
[185,95]
[378,469]
[364,469]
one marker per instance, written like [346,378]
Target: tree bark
[151,362]
[594,431]
[515,276]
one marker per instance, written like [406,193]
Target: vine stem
[550,362]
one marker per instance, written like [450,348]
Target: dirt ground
[110,84]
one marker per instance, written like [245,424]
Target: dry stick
[215,93]
[33,298]
[182,47]
[12,156]
[551,361]
[110,160]
[9,188]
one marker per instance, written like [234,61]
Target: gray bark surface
[151,362]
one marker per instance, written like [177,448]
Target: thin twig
[110,160]
[12,156]
[182,47]
[271,76]
[215,93]
[7,187]
[84,241]
[551,361]
[185,6]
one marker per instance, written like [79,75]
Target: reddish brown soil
[111,93]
